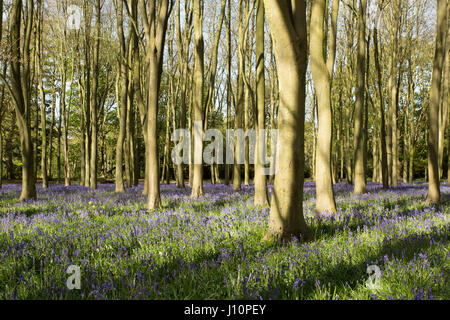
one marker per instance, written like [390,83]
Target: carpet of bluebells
[210,248]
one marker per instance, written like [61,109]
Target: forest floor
[210,248]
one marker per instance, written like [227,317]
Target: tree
[94,102]
[287,21]
[41,96]
[197,186]
[322,72]
[238,106]
[122,103]
[433,114]
[360,175]
[183,41]
[227,166]
[384,162]
[260,178]
[20,89]
[155,31]
[393,95]
[2,108]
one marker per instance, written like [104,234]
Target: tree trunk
[433,119]
[237,178]
[227,166]
[42,98]
[122,105]
[290,44]
[155,31]
[94,102]
[20,91]
[384,160]
[360,175]
[322,75]
[443,110]
[197,185]
[261,196]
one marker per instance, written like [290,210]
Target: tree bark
[287,21]
[155,30]
[261,195]
[384,161]
[197,185]
[237,178]
[360,175]
[94,102]
[322,72]
[20,91]
[122,105]
[433,119]
[42,97]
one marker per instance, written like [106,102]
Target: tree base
[288,236]
[154,204]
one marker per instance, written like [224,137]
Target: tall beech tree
[197,185]
[322,72]
[261,197]
[122,102]
[155,18]
[433,114]
[40,77]
[94,100]
[19,87]
[360,174]
[287,21]
[384,161]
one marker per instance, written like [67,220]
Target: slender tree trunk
[237,178]
[94,102]
[227,166]
[433,124]
[443,110]
[183,54]
[384,160]
[360,175]
[261,196]
[322,75]
[83,134]
[42,98]
[197,185]
[87,95]
[447,95]
[122,106]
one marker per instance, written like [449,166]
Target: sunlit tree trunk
[384,160]
[197,185]
[155,25]
[42,97]
[227,166]
[433,119]
[20,90]
[287,21]
[443,108]
[261,196]
[360,175]
[122,103]
[237,178]
[94,102]
[322,72]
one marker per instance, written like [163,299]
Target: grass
[210,248]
